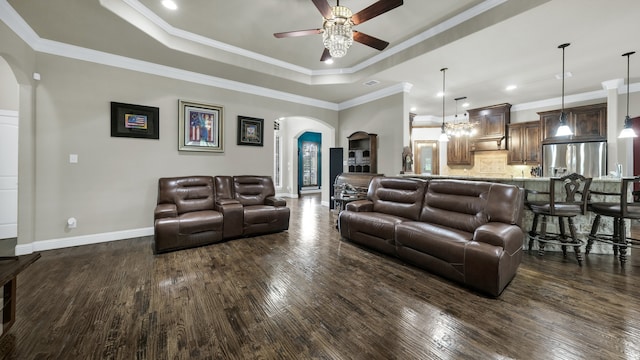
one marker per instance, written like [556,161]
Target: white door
[8,174]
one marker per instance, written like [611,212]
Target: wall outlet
[72,223]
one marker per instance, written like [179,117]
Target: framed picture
[250,131]
[201,127]
[136,121]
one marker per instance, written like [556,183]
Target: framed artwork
[250,131]
[136,121]
[201,127]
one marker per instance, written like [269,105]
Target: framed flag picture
[250,131]
[136,121]
[201,127]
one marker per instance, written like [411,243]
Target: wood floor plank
[307,294]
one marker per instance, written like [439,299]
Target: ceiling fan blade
[324,7]
[374,10]
[297,33]
[369,40]
[325,55]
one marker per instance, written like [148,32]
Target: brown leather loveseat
[466,231]
[199,210]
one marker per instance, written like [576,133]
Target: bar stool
[567,198]
[619,210]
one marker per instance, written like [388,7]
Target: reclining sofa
[465,231]
[198,210]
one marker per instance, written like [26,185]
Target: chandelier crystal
[337,36]
[461,129]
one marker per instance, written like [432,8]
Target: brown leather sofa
[199,210]
[466,231]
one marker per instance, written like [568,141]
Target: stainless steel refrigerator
[588,159]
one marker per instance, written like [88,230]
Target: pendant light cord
[563,76]
[443,74]
[628,55]
[563,46]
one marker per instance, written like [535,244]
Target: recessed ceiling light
[567,74]
[328,61]
[170,4]
[413,109]
[511,87]
[440,94]
[465,105]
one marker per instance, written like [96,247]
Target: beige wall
[384,117]
[112,188]
[113,185]
[8,88]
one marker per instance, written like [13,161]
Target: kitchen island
[583,223]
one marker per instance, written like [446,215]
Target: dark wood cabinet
[363,152]
[524,143]
[492,127]
[459,152]
[588,123]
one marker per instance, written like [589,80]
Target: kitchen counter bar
[583,223]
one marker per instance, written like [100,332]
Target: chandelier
[463,128]
[337,36]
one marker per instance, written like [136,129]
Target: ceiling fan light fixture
[337,35]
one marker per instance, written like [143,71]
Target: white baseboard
[22,249]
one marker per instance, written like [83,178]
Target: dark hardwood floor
[305,294]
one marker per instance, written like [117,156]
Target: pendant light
[443,134]
[563,129]
[627,131]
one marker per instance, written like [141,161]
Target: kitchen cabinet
[492,127]
[458,151]
[523,143]
[588,123]
[363,150]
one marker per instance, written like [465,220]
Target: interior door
[426,157]
[8,174]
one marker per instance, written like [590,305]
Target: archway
[291,129]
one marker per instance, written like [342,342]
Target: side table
[10,267]
[340,202]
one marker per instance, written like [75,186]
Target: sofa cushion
[442,242]
[456,204]
[375,230]
[253,190]
[397,196]
[264,219]
[200,221]
[193,193]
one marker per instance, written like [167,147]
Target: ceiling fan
[337,28]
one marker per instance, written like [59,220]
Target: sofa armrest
[165,211]
[275,201]
[507,236]
[232,217]
[222,202]
[360,206]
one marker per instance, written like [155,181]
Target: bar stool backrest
[624,191]
[574,188]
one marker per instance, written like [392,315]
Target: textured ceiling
[486,45]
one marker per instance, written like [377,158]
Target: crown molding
[382,93]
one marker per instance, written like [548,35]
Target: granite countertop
[503,179]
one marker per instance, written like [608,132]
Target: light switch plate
[73,158]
